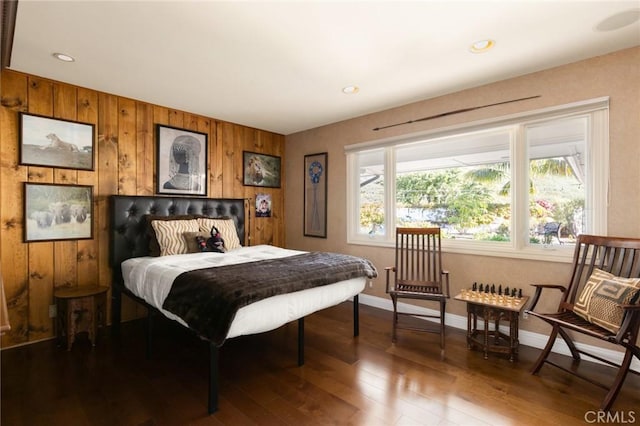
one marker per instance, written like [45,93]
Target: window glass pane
[557,173]
[371,194]
[461,184]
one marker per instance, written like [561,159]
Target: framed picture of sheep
[51,142]
[57,212]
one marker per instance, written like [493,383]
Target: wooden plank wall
[124,164]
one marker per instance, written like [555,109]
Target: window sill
[550,253]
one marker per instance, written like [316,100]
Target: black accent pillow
[213,244]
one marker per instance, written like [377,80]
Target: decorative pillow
[602,293]
[227,228]
[169,235]
[154,247]
[191,240]
[215,243]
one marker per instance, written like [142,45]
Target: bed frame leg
[116,308]
[213,378]
[150,315]
[356,316]
[300,341]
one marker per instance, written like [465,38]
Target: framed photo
[263,205]
[261,170]
[51,142]
[57,212]
[315,195]
[181,162]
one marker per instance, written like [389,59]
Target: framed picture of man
[181,161]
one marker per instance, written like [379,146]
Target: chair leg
[443,306]
[569,341]
[545,352]
[617,383]
[394,300]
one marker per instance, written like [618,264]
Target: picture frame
[261,170]
[315,195]
[181,161]
[55,212]
[54,142]
[263,205]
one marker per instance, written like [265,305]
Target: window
[522,186]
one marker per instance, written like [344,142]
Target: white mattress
[150,278]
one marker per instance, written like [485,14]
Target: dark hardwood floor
[345,380]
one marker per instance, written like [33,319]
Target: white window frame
[596,201]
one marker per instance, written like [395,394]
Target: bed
[243,304]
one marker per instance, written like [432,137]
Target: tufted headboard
[128,232]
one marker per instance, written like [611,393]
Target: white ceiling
[280,66]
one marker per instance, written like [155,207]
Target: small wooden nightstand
[80,309]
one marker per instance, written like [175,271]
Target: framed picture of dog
[52,142]
[263,205]
[261,170]
[57,212]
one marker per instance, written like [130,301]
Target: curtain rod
[457,111]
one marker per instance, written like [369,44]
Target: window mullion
[598,162]
[390,193]
[520,188]
[353,196]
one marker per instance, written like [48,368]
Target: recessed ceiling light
[350,90]
[63,57]
[619,20]
[482,46]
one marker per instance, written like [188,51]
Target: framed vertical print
[57,212]
[181,161]
[315,195]
[51,142]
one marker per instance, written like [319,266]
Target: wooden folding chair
[418,274]
[617,256]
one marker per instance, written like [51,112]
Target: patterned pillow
[169,235]
[190,239]
[227,228]
[602,293]
[154,247]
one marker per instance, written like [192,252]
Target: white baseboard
[527,338]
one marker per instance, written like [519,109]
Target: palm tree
[556,167]
[499,172]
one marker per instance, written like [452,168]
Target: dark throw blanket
[208,299]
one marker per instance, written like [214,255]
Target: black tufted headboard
[128,234]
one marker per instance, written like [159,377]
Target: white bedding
[150,278]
